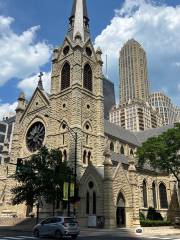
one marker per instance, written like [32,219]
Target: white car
[57,227]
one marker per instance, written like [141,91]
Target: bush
[141,216]
[153,214]
[154,223]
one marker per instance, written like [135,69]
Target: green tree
[41,176]
[163,152]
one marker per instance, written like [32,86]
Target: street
[86,235]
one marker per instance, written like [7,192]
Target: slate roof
[119,158]
[144,135]
[120,133]
[116,158]
[100,170]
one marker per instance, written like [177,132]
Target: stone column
[109,207]
[135,193]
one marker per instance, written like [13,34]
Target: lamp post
[74,135]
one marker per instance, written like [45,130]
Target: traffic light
[19,165]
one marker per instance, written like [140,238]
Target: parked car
[57,227]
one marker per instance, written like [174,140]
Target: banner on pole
[72,190]
[65,191]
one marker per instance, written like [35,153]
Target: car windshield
[70,220]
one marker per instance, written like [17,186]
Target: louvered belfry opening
[87,77]
[65,76]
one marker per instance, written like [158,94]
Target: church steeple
[79,21]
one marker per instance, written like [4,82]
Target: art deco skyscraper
[133,72]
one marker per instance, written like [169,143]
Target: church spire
[79,20]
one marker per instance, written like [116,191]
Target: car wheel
[58,234]
[36,233]
[74,236]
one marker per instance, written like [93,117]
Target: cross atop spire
[40,84]
[79,20]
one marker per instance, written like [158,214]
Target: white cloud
[177,64]
[20,55]
[7,109]
[28,85]
[157,28]
[178,87]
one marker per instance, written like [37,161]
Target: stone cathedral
[113,189]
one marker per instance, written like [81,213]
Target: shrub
[153,214]
[154,223]
[141,216]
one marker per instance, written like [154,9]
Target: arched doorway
[121,212]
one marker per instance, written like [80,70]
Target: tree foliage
[41,176]
[162,152]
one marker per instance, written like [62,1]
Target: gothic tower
[77,94]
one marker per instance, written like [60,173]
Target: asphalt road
[90,235]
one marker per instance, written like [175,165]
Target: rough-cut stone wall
[82,106]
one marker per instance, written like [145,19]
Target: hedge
[154,223]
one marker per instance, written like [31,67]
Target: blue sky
[29,30]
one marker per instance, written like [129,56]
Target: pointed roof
[85,13]
[79,19]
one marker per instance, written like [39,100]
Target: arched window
[87,203]
[121,201]
[63,139]
[154,195]
[131,152]
[122,150]
[65,155]
[112,146]
[65,76]
[61,155]
[84,156]
[87,83]
[89,157]
[94,202]
[87,139]
[163,196]
[145,204]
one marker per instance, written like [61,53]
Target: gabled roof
[144,135]
[120,133]
[44,96]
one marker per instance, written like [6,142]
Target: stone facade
[110,182]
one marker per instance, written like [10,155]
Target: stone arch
[36,118]
[89,156]
[131,152]
[111,146]
[145,194]
[88,77]
[65,76]
[163,196]
[91,174]
[122,150]
[84,156]
[121,210]
[65,155]
[154,194]
[85,124]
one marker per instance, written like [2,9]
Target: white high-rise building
[136,115]
[133,72]
[165,107]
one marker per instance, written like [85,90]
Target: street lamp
[74,135]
